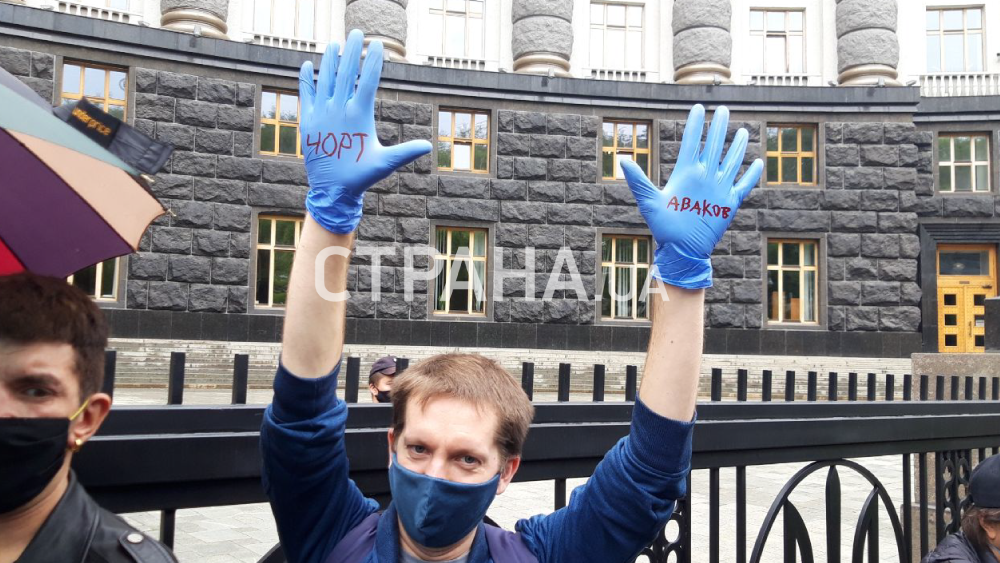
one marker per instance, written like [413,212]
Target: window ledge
[460,318]
[792,326]
[990,193]
[272,311]
[623,322]
[793,186]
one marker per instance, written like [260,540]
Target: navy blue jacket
[610,519]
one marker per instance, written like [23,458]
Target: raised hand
[342,152]
[690,214]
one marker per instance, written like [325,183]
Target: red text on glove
[328,144]
[703,207]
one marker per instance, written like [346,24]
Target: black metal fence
[178,456]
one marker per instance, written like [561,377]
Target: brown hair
[472,378]
[973,528]
[377,377]
[37,309]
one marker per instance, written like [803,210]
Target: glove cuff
[678,269]
[338,214]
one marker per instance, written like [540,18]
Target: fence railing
[102,13]
[178,456]
[783,79]
[960,84]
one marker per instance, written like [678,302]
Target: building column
[703,45]
[384,20]
[542,39]
[867,45]
[201,17]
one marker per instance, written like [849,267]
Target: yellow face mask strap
[80,410]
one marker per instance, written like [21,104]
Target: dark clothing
[957,548]
[80,531]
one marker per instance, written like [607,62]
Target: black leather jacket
[80,531]
[956,548]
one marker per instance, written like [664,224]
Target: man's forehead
[43,363]
[444,413]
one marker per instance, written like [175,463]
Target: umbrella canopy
[65,202]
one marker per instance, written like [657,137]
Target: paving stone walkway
[245,533]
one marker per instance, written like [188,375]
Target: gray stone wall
[33,68]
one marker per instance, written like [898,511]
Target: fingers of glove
[716,140]
[307,86]
[692,135]
[328,72]
[749,180]
[734,158]
[347,72]
[371,73]
[401,155]
[640,185]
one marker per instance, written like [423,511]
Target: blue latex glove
[342,152]
[691,213]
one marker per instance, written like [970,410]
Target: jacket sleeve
[305,467]
[627,501]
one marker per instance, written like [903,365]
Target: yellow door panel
[967,276]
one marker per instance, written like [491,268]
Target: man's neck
[18,528]
[427,554]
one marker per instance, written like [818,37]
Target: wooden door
[966,277]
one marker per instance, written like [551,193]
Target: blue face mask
[435,512]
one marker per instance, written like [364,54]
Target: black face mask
[31,452]
[383,397]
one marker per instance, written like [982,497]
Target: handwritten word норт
[329,145]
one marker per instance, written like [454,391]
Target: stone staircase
[208,364]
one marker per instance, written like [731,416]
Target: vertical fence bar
[939,388]
[560,496]
[110,365]
[924,509]
[907,387]
[402,364]
[241,375]
[713,515]
[528,379]
[925,386]
[168,523]
[563,390]
[954,388]
[686,524]
[907,508]
[352,381]
[890,387]
[871,386]
[598,383]
[852,386]
[996,388]
[811,386]
[982,388]
[741,515]
[765,385]
[631,380]
[968,388]
[789,386]
[832,392]
[939,495]
[716,384]
[175,385]
[741,385]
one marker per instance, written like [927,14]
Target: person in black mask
[380,379]
[52,340]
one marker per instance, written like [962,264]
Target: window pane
[117,111]
[963,178]
[460,242]
[282,271]
[263,276]
[973,19]
[482,158]
[616,14]
[606,292]
[809,259]
[933,20]
[772,254]
[307,19]
[635,16]
[456,5]
[287,139]
[981,148]
[117,85]
[289,104]
[608,135]
[283,19]
[756,20]
[982,178]
[640,284]
[790,296]
[267,132]
[772,295]
[262,16]
[789,170]
[954,53]
[623,290]
[482,126]
[108,278]
[944,149]
[795,63]
[458,301]
[608,165]
[444,154]
[772,170]
[642,159]
[776,21]
[444,124]
[642,251]
[789,139]
[455,38]
[268,105]
[618,167]
[633,50]
[775,59]
[264,231]
[463,157]
[86,279]
[442,241]
[118,4]
[433,38]
[479,291]
[963,149]
[975,59]
[624,135]
[642,136]
[475,33]
[463,125]
[597,48]
[772,138]
[789,254]
[964,263]
[440,299]
[597,13]
[809,297]
[71,79]
[794,21]
[614,48]
[623,250]
[808,134]
[285,233]
[808,168]
[479,243]
[475,6]
[933,53]
[756,54]
[93,82]
[952,20]
[944,178]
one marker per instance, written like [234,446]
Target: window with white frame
[285,18]
[777,42]
[99,281]
[955,40]
[624,274]
[455,29]
[616,36]
[964,163]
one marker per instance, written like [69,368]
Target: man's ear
[392,443]
[507,473]
[90,419]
